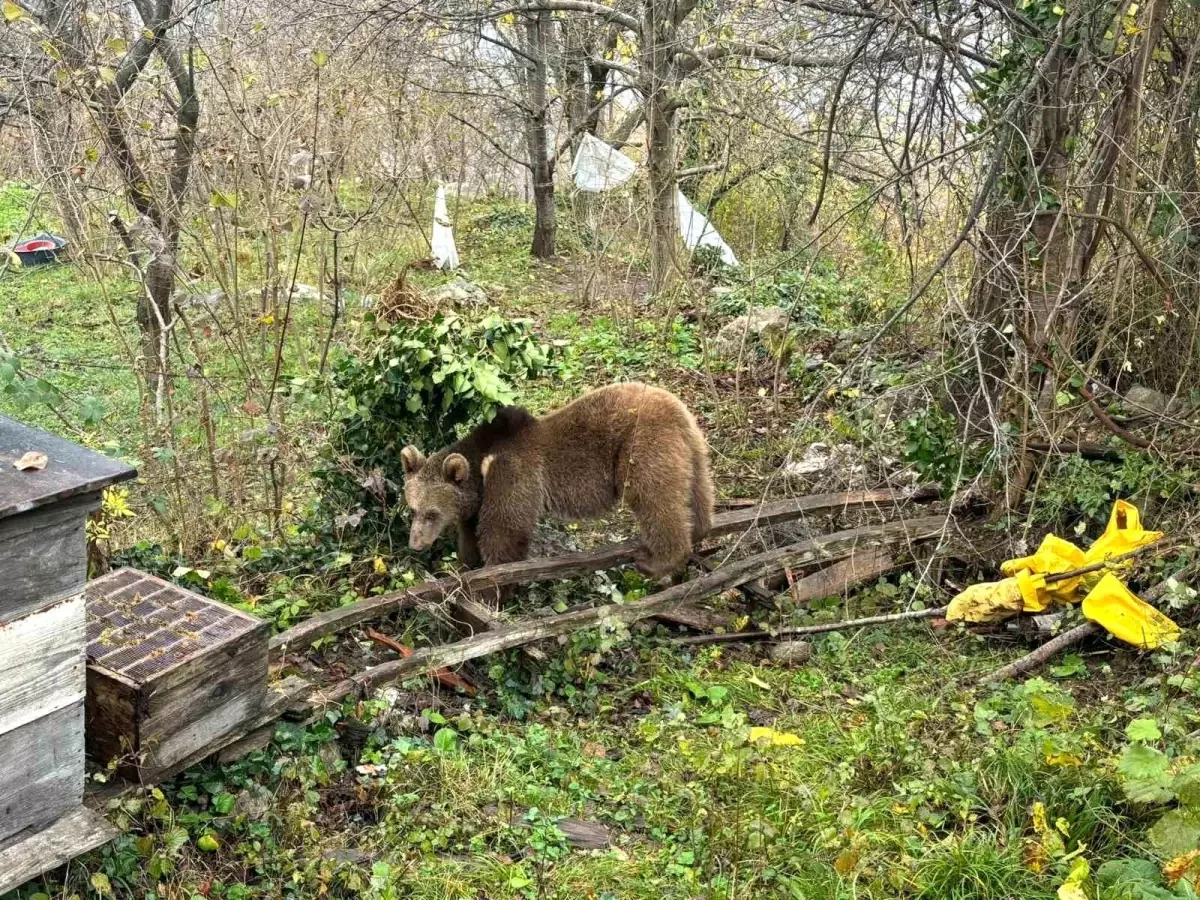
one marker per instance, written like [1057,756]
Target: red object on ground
[34,246]
[445,676]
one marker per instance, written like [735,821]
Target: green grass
[895,791]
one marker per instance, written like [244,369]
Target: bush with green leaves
[1075,489]
[817,297]
[932,444]
[424,384]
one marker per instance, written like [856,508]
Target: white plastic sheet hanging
[598,167]
[697,231]
[445,254]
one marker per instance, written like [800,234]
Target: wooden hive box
[43,567]
[170,673]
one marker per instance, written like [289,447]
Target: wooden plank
[41,663]
[573,564]
[75,833]
[473,617]
[41,777]
[842,577]
[727,576]
[44,557]
[70,470]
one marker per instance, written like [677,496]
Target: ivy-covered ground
[887,771]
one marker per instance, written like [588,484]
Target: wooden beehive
[170,673]
[43,567]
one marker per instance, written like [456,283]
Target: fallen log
[846,625]
[1038,658]
[729,575]
[572,565]
[473,617]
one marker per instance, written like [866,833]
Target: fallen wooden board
[573,564]
[842,577]
[581,834]
[77,832]
[729,575]
[477,617]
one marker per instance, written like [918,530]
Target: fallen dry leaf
[1177,868]
[597,751]
[846,862]
[32,460]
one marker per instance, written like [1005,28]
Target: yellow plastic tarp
[995,601]
[1125,616]
[1123,534]
[1053,557]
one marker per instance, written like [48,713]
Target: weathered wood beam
[729,575]
[572,565]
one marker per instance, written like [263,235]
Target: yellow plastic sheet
[1123,534]
[995,601]
[1053,557]
[1125,616]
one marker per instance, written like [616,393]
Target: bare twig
[888,619]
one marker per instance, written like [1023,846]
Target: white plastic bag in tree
[697,231]
[598,167]
[445,254]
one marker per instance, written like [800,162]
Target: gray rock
[792,653]
[816,459]
[209,301]
[254,802]
[306,293]
[460,292]
[1144,402]
[765,326]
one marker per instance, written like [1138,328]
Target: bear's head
[438,492]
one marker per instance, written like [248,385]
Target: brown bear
[625,443]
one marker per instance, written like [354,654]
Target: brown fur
[626,443]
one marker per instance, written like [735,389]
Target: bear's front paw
[653,566]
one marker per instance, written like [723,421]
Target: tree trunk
[538,41]
[658,33]
[155,316]
[546,221]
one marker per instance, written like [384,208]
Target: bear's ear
[456,468]
[411,459]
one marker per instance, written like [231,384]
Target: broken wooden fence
[572,565]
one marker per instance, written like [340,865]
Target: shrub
[426,385]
